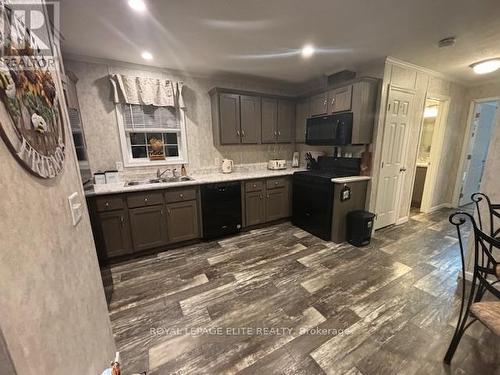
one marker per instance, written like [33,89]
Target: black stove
[313,194]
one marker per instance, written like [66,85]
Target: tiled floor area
[281,301]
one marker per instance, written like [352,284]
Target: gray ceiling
[261,37]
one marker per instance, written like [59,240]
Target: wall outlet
[76,208]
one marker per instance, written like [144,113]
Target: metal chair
[486,274]
[493,212]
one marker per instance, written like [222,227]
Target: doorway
[394,148]
[481,127]
[429,153]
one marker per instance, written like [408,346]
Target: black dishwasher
[221,209]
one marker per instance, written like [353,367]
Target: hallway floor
[279,300]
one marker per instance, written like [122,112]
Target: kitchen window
[141,126]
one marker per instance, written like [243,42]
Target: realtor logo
[29,33]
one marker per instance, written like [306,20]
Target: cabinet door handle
[276,183]
[275,133]
[279,132]
[238,133]
[168,211]
[324,102]
[161,212]
[242,132]
[267,196]
[145,200]
[122,220]
[181,195]
[260,196]
[106,204]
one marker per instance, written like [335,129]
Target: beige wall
[53,311]
[423,83]
[100,122]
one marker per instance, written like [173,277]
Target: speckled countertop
[197,180]
[345,180]
[207,179]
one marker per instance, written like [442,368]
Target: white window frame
[129,161]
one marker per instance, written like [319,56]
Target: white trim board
[422,69]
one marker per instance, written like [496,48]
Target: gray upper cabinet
[319,104]
[340,99]
[359,96]
[269,120]
[303,112]
[229,115]
[286,120]
[242,117]
[251,117]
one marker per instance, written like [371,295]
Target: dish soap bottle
[183,170]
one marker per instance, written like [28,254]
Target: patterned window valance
[146,91]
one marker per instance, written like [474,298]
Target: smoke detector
[447,42]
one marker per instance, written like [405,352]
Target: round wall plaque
[30,117]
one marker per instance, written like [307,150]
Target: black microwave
[331,130]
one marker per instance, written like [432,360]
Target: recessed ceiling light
[487,66]
[307,51]
[137,5]
[147,55]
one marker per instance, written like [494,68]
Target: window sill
[152,163]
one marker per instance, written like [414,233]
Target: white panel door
[394,145]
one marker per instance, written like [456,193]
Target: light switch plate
[76,207]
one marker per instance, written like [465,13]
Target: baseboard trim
[439,206]
[402,220]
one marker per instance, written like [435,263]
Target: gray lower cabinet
[267,200]
[115,232]
[182,221]
[277,204]
[255,208]
[148,227]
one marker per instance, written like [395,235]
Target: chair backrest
[484,262]
[493,213]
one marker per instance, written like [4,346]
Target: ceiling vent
[339,77]
[447,42]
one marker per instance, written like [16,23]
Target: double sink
[159,181]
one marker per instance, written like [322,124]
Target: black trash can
[359,227]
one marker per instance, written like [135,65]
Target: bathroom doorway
[428,154]
[476,149]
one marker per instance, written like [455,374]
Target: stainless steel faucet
[159,173]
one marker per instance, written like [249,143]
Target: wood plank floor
[281,301]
